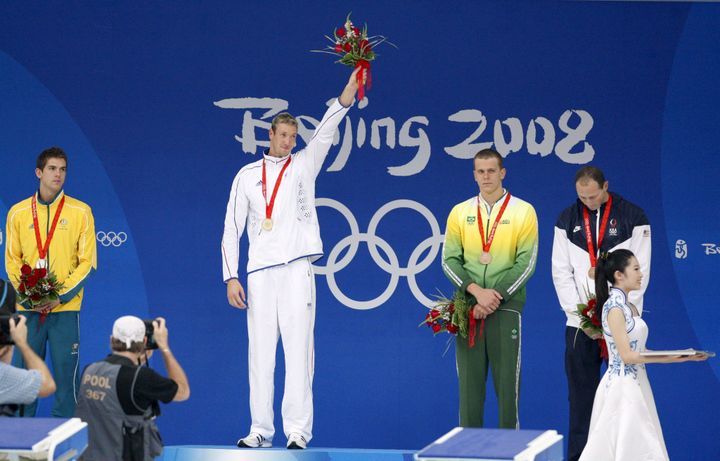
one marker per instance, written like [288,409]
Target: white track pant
[281,302]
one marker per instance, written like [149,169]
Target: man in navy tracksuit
[599,221]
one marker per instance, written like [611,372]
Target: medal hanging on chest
[485,256]
[267,223]
[43,249]
[592,252]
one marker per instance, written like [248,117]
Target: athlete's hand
[489,299]
[480,312]
[48,306]
[592,335]
[236,294]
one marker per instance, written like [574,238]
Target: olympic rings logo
[107,239]
[392,267]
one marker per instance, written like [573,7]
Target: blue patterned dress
[624,425]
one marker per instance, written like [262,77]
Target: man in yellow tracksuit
[490,251]
[65,245]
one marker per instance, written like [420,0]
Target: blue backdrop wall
[159,104]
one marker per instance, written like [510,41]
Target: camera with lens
[7,311]
[150,344]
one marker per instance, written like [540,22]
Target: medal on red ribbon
[43,249]
[267,223]
[486,257]
[592,252]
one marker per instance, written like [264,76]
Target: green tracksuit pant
[498,348]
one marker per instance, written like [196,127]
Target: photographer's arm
[174,370]
[18,332]
[6,353]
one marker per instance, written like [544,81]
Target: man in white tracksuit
[275,198]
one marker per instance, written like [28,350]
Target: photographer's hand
[161,333]
[18,331]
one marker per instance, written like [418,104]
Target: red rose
[592,303]
[434,313]
[451,308]
[585,311]
[338,48]
[436,327]
[32,280]
[356,30]
[340,32]
[41,273]
[347,47]
[21,287]
[25,269]
[595,320]
[364,45]
[452,328]
[36,297]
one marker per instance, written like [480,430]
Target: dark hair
[607,264]
[590,172]
[7,297]
[489,153]
[47,154]
[119,346]
[7,311]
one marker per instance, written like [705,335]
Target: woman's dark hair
[607,264]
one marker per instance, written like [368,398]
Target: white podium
[53,439]
[469,444]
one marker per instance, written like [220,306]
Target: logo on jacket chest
[613,230]
[61,225]
[473,219]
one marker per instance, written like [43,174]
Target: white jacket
[296,232]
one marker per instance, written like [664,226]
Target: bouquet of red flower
[448,315]
[590,321]
[38,287]
[355,49]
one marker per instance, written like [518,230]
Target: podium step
[210,453]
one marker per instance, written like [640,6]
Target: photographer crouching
[18,386]
[119,397]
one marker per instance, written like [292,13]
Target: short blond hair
[283,117]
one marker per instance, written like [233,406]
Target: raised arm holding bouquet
[355,49]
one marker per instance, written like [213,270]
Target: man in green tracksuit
[490,251]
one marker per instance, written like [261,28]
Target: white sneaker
[254,440]
[296,442]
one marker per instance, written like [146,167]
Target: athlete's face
[488,175]
[282,140]
[591,193]
[52,177]
[631,278]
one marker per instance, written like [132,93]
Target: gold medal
[485,258]
[267,224]
[591,273]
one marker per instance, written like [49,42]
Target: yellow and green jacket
[72,255]
[514,248]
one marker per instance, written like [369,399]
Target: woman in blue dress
[624,424]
